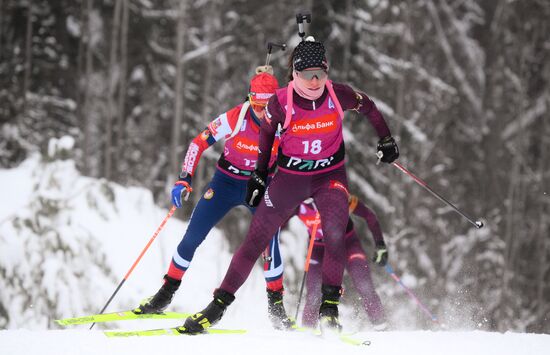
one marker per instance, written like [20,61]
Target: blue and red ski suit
[227,189]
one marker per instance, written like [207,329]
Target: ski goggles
[310,74]
[257,103]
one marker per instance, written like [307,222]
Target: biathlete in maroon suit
[356,262]
[310,164]
[240,127]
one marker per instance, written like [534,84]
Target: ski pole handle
[254,194]
[379,155]
[316,222]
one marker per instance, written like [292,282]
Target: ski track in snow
[132,219]
[265,342]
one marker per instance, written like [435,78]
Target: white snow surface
[119,227]
[265,342]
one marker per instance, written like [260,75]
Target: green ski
[167,331]
[117,316]
[345,338]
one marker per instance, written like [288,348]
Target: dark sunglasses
[310,74]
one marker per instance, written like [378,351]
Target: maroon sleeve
[350,100]
[274,116]
[372,221]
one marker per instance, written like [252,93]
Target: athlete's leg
[283,195]
[331,198]
[273,264]
[310,315]
[221,195]
[359,271]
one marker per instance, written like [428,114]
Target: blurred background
[463,85]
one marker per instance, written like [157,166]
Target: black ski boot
[328,312]
[199,322]
[276,310]
[158,303]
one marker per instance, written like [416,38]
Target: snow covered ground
[265,342]
[117,222]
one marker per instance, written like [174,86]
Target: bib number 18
[313,148]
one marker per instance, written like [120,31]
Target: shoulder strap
[334,98]
[289,103]
[240,120]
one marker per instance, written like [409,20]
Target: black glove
[255,188]
[380,257]
[389,149]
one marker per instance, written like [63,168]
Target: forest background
[463,84]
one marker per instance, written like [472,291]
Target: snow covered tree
[50,265]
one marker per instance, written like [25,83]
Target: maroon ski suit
[325,179]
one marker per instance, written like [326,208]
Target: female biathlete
[310,164]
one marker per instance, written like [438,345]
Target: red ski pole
[308,258]
[411,294]
[170,213]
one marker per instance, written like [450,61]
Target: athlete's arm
[273,117]
[360,102]
[358,208]
[220,128]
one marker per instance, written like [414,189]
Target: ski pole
[478,224]
[390,271]
[170,213]
[316,222]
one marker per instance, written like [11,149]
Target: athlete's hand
[183,185]
[255,188]
[387,150]
[380,257]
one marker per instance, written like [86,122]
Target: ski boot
[380,325]
[199,322]
[276,310]
[157,304]
[328,312]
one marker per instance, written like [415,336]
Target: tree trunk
[113,78]
[87,93]
[346,61]
[122,83]
[28,57]
[175,146]
[1,27]
[211,26]
[543,230]
[80,65]
[400,105]
[543,225]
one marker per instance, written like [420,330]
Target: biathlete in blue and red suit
[357,265]
[240,127]
[310,163]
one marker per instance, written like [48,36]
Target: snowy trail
[265,342]
[117,228]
